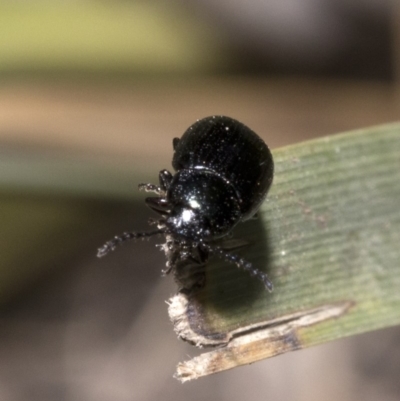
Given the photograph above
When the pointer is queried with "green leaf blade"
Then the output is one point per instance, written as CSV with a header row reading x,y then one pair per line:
x,y
330,237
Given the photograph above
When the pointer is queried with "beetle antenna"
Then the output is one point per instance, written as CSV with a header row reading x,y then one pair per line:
x,y
120,239
241,263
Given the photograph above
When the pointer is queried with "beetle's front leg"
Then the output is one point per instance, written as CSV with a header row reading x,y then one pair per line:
x,y
151,188
165,178
159,205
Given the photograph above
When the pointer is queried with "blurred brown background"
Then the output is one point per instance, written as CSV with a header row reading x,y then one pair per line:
x,y
91,95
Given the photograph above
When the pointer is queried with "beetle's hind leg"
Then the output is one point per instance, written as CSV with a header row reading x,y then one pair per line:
x,y
241,263
232,244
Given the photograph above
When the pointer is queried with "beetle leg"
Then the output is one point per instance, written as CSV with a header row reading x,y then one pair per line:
x,y
199,257
165,178
159,205
194,254
151,188
155,222
231,244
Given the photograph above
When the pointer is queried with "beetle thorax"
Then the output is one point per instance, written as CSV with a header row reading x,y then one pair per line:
x,y
204,205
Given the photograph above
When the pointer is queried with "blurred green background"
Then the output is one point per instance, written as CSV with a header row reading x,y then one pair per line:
x,y
91,95
113,36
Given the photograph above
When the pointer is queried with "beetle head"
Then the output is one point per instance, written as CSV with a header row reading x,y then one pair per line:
x,y
204,206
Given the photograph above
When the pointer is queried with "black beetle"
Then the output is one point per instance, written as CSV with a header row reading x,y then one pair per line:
x,y
223,173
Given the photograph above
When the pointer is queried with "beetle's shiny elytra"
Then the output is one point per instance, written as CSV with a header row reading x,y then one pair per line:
x,y
223,173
